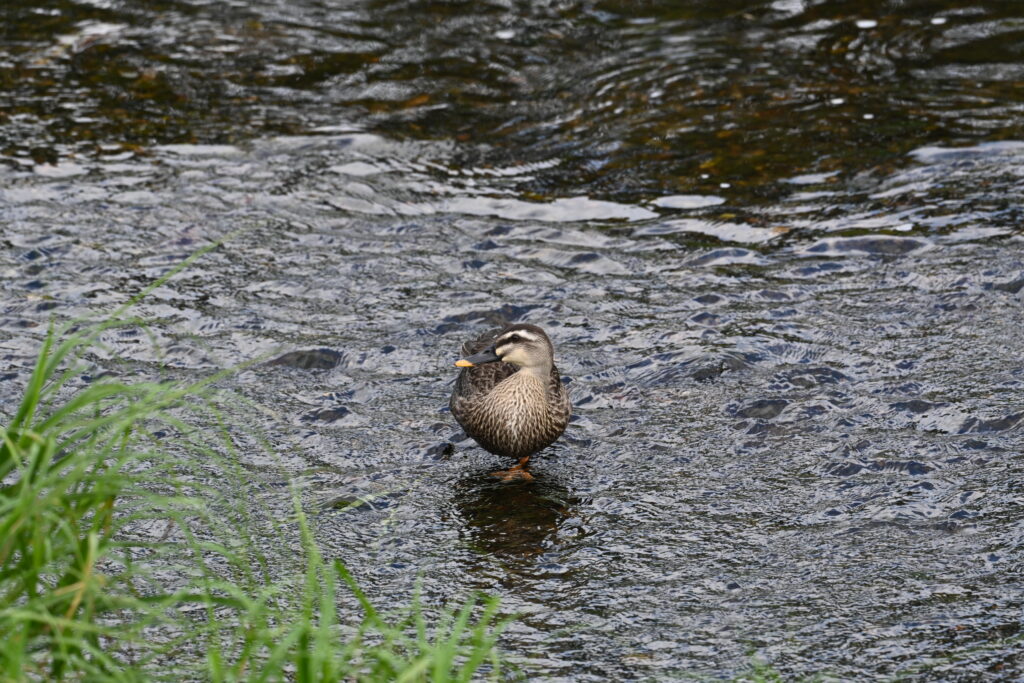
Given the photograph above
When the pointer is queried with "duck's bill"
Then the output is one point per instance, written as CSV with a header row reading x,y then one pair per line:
x,y
488,356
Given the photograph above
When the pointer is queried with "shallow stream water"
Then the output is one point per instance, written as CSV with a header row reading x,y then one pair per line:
x,y
777,246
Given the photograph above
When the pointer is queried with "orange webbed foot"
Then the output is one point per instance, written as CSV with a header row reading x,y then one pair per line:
x,y
516,473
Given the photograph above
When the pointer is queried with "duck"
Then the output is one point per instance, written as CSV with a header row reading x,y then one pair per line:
x,y
509,397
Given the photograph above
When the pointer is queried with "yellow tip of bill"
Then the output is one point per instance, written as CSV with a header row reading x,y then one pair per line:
x,y
463,364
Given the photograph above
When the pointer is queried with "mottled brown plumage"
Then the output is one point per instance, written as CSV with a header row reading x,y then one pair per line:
x,y
511,401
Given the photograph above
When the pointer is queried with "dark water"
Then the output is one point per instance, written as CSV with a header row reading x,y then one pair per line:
x,y
777,245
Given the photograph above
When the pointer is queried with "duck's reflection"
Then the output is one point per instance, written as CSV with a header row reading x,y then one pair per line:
x,y
516,520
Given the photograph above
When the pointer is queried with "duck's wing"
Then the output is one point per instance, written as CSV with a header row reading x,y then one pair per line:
x,y
482,342
558,397
479,379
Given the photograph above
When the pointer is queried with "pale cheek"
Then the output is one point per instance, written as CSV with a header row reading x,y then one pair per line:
x,y
516,358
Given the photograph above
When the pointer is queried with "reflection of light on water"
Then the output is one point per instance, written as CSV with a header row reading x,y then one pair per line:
x,y
559,211
422,194
185,150
788,6
65,169
566,210
687,201
729,232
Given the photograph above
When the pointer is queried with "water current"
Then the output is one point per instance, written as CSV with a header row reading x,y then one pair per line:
x,y
777,246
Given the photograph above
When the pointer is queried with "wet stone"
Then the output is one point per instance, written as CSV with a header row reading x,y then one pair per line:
x,y
437,451
764,409
357,502
910,467
498,317
313,359
1013,286
975,425
772,295
844,469
808,378
326,415
917,406
874,245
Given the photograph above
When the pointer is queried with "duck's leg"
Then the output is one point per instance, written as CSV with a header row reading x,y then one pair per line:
x,y
516,472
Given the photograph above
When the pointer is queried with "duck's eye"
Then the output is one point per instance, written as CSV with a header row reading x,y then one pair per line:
x,y
515,339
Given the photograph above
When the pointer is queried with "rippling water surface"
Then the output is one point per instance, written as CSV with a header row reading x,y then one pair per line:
x,y
777,246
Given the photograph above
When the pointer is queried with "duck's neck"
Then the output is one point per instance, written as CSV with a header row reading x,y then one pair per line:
x,y
522,385
541,372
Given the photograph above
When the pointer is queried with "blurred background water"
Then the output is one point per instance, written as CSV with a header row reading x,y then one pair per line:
x,y
777,245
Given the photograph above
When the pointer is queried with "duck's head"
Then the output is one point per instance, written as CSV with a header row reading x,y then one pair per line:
x,y
524,345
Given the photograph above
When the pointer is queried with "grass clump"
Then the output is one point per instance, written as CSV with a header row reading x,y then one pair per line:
x,y
119,560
